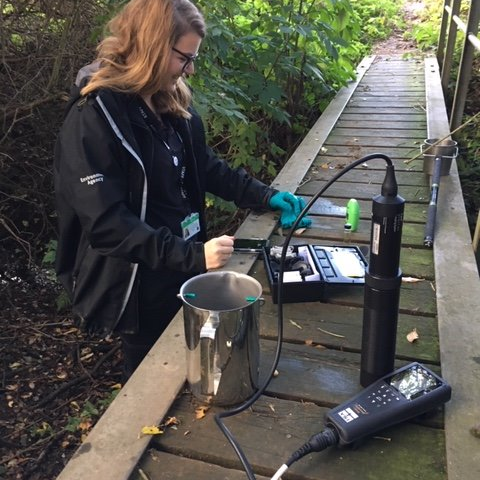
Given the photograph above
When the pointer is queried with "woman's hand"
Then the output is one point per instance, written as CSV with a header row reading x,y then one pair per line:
x,y
218,251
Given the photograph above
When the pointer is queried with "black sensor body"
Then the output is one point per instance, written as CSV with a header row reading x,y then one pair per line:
x,y
382,283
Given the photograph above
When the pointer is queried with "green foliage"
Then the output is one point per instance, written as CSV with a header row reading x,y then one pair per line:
x,y
49,256
87,416
377,19
267,70
426,31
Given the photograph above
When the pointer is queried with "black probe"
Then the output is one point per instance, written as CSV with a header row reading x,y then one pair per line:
x,y
383,280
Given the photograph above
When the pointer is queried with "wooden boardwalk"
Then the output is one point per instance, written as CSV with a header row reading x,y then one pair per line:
x,y
390,109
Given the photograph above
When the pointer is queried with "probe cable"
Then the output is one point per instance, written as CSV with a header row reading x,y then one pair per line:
x,y
320,440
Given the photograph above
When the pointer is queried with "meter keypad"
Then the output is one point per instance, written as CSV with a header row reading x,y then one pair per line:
x,y
383,396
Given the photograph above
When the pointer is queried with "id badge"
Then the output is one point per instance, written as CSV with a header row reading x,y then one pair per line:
x,y
190,226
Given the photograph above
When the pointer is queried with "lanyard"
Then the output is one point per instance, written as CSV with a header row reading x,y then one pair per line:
x,y
173,155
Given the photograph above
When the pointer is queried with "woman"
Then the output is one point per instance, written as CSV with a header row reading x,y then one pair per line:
x,y
131,172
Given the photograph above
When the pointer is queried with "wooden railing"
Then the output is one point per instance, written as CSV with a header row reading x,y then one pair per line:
x,y
451,24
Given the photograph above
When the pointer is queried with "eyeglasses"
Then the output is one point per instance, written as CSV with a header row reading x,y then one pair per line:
x,y
189,59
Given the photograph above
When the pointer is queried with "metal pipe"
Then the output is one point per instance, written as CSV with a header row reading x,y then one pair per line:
x,y
432,206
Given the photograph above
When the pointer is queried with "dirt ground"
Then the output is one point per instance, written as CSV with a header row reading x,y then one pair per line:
x,y
56,382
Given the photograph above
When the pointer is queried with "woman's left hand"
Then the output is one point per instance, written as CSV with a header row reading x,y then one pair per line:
x,y
218,251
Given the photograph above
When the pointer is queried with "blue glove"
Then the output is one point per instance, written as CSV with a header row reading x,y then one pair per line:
x,y
290,206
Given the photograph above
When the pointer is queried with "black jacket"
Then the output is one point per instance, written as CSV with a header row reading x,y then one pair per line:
x,y
103,157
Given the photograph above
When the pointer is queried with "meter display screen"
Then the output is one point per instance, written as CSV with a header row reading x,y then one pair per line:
x,y
414,382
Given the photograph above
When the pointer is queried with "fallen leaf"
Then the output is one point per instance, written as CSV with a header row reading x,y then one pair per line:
x,y
200,412
62,375
170,421
412,279
412,336
295,324
152,430
309,342
324,166
68,332
85,425
299,231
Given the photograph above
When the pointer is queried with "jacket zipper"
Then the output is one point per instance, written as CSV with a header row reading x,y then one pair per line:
x,y
143,209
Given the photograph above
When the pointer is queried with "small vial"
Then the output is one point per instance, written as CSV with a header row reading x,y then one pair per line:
x,y
353,215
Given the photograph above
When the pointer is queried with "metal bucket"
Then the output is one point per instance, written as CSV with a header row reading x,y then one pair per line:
x,y
447,149
221,312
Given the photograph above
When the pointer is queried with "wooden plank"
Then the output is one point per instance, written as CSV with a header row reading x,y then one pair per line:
x,y
370,173
401,165
411,193
367,131
458,287
357,123
374,141
332,229
158,465
387,102
357,151
273,429
359,114
340,327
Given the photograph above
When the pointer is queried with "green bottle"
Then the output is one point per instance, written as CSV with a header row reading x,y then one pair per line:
x,y
353,215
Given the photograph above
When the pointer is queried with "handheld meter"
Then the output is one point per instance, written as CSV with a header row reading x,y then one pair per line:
x,y
394,398
399,396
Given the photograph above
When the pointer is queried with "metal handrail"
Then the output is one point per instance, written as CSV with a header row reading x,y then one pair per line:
x,y
451,23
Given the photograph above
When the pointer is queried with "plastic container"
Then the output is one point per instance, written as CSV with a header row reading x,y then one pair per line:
x,y
353,215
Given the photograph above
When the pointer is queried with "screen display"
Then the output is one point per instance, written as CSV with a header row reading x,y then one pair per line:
x,y
414,382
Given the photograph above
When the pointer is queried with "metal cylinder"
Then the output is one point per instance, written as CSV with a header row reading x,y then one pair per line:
x,y
221,315
447,149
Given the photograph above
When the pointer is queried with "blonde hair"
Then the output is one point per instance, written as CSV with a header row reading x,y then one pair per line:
x,y
134,57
